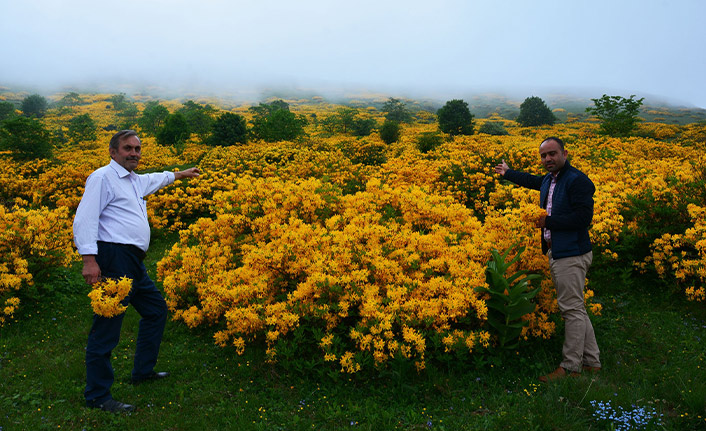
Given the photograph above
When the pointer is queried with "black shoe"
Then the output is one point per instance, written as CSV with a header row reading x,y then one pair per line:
x,y
113,406
153,376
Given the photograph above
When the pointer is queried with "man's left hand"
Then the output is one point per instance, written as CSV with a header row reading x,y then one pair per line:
x,y
187,173
541,222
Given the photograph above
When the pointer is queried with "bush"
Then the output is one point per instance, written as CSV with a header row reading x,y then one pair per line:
x,y
534,112
229,129
429,141
26,138
82,128
493,128
34,106
390,131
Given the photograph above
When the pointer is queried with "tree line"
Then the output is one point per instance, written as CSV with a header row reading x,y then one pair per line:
x,y
26,137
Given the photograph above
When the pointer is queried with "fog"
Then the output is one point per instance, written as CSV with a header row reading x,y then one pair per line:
x,y
436,49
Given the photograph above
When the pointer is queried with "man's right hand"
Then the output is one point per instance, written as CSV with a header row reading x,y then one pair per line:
x,y
91,271
502,168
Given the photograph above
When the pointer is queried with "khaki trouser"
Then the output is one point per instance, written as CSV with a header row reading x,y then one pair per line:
x,y
569,277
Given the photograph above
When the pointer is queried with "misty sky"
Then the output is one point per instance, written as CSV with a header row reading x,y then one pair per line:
x,y
434,48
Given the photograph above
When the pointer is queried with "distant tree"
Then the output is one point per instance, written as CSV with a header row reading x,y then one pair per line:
x,y
229,129
493,128
534,112
119,101
199,117
153,117
455,118
82,128
70,99
26,138
429,141
618,115
345,117
363,126
34,106
396,110
7,111
274,122
390,131
174,133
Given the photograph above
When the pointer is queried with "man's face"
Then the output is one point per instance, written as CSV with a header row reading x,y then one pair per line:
x,y
553,157
128,153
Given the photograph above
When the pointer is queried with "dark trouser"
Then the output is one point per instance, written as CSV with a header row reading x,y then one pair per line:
x,y
115,261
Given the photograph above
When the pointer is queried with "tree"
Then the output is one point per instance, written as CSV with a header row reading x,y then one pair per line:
x,y
455,118
618,115
34,106
229,129
26,138
7,111
153,117
126,110
82,128
274,122
70,99
396,110
174,133
534,112
390,131
199,117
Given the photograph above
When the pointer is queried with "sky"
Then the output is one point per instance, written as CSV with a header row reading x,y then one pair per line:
x,y
434,48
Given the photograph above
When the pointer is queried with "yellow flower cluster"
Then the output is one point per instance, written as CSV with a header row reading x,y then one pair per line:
x,y
683,256
108,294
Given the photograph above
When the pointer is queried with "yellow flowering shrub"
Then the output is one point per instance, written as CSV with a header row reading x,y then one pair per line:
x,y
682,257
32,242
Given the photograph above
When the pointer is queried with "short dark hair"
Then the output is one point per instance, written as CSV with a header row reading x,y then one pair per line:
x,y
120,136
555,139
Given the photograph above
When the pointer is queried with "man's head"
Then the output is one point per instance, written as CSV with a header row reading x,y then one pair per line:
x,y
553,154
125,149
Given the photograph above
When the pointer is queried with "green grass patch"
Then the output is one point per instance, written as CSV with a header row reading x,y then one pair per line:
x,y
653,354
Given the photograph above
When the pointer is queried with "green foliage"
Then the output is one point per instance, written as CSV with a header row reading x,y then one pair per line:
x,y
396,110
274,122
390,131
455,118
493,128
70,99
534,112
349,121
618,115
153,117
174,133
126,110
510,298
7,111
229,129
26,138
429,141
200,118
34,106
82,128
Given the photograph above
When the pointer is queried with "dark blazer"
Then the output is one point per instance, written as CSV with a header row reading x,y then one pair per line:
x,y
572,208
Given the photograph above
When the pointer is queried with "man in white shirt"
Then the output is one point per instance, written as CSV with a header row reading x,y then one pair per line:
x,y
112,235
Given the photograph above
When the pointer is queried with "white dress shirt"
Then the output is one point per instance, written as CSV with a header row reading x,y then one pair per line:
x,y
113,208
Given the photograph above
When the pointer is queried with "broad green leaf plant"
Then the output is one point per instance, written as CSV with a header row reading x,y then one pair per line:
x,y
510,297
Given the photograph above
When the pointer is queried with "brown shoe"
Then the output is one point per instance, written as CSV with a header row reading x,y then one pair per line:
x,y
557,374
589,369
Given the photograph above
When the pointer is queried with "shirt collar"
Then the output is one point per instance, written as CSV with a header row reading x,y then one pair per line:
x,y
122,172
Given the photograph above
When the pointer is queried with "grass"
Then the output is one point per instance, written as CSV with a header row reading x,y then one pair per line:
x,y
652,345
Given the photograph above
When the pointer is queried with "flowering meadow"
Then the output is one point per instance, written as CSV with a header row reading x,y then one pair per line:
x,y
355,252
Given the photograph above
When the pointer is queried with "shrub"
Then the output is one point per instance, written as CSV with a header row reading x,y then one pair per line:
x,y
429,141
